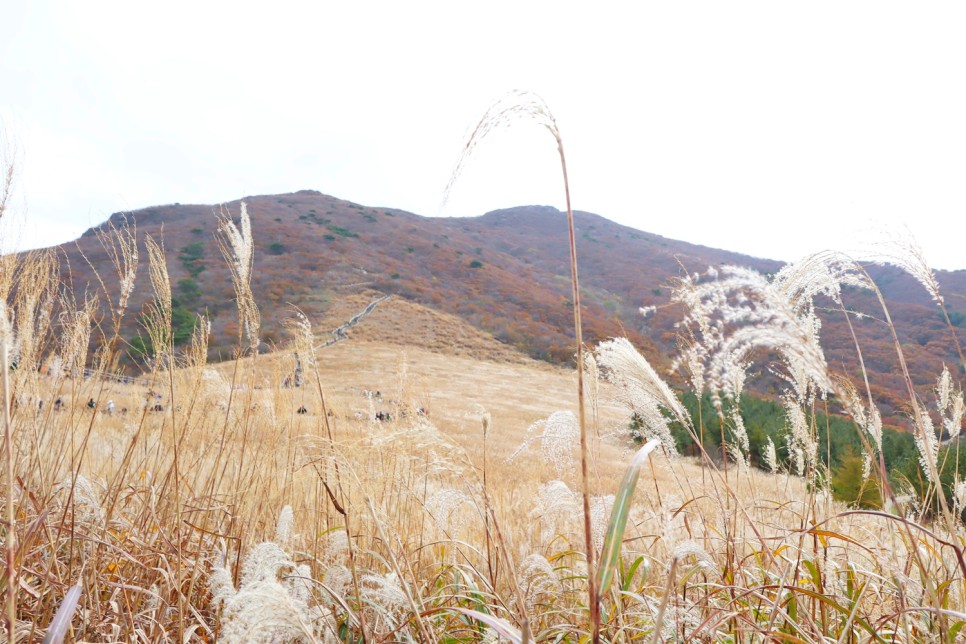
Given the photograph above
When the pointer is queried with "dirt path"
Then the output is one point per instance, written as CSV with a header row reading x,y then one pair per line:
x,y
342,332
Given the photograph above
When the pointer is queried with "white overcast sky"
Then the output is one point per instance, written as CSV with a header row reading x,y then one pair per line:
x,y
770,128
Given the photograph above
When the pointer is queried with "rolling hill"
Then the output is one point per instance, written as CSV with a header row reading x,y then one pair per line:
x,y
505,273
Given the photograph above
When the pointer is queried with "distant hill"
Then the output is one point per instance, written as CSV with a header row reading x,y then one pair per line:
x,y
505,273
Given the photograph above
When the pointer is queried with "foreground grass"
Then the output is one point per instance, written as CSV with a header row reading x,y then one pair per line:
x,y
459,525
212,502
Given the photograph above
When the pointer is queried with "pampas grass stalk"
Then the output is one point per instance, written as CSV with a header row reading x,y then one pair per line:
x,y
920,422
528,105
161,334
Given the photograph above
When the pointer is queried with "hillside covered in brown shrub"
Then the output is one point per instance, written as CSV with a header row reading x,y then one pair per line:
x,y
505,272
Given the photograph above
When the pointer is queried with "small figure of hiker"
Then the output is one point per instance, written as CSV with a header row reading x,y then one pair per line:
x,y
110,407
91,404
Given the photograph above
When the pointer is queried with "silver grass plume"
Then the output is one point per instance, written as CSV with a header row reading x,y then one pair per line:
x,y
385,591
303,339
557,505
514,106
740,447
240,243
869,420
444,506
823,273
641,390
770,456
283,529
76,334
926,442
157,320
37,284
238,247
558,435
949,400
690,549
120,245
959,495
944,389
85,501
271,603
10,162
197,353
802,446
538,581
903,251
592,374
735,311
600,509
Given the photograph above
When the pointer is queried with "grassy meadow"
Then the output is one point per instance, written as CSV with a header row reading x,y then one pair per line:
x,y
203,506
423,483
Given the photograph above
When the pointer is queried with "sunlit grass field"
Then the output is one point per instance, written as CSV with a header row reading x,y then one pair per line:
x,y
439,488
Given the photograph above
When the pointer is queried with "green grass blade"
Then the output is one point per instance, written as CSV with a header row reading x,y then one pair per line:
x,y
611,553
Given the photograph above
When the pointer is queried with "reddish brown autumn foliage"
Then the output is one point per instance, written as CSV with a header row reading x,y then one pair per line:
x,y
505,272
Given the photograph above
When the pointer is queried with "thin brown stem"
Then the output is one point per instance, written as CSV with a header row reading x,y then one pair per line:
x,y
11,532
581,413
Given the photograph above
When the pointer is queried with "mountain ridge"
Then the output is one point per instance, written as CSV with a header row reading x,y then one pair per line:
x,y
505,272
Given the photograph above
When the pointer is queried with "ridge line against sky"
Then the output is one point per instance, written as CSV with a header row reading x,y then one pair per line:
x,y
763,128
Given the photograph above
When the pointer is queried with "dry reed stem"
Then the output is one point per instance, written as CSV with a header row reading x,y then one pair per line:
x,y
10,545
523,104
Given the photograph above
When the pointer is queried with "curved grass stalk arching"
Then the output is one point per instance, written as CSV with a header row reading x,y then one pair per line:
x,y
529,106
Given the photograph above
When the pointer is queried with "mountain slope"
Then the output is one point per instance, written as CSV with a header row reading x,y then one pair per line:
x,y
506,273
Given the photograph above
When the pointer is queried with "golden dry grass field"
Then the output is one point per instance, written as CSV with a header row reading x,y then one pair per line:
x,y
423,482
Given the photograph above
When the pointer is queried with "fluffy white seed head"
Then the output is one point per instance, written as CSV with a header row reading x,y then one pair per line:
x,y
641,390
385,591
445,507
868,420
557,508
902,250
689,549
949,400
735,312
926,442
283,529
558,435
538,581
770,456
741,443
959,494
85,500
600,507
802,446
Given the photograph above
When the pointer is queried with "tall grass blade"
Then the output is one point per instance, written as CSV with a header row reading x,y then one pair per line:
x,y
611,553
61,621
